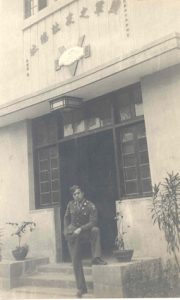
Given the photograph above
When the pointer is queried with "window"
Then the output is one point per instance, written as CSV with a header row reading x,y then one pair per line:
x,y
121,114
135,162
128,105
47,163
131,139
42,4
46,159
31,7
93,115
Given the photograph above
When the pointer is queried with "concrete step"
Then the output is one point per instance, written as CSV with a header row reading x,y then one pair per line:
x,y
34,292
59,280
65,268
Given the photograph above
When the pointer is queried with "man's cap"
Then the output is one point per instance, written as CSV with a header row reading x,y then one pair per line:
x,y
74,188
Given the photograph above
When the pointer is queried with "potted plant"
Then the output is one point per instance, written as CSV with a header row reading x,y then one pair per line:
x,y
166,212
21,251
122,254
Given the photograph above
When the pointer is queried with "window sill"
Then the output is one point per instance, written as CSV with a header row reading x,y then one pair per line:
x,y
44,13
43,210
134,200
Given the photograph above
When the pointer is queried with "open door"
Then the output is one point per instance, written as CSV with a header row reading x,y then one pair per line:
x,y
89,162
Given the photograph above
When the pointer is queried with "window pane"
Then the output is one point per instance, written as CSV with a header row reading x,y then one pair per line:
x,y
48,175
44,198
55,197
98,114
145,172
137,95
55,173
130,173
44,187
53,152
141,133
27,8
128,148
45,130
125,113
54,163
43,154
134,165
44,176
144,157
44,164
42,4
55,185
129,160
139,109
146,186
93,123
78,122
142,144
128,136
131,187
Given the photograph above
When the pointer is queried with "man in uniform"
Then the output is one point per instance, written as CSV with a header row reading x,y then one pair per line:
x,y
80,223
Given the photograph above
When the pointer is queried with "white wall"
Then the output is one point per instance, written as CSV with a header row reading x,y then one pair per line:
x,y
142,236
146,20
161,98
16,197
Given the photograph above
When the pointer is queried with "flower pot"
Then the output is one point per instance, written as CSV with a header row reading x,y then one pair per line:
x,y
20,253
123,255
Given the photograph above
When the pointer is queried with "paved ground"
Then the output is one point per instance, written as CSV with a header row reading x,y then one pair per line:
x,y
41,293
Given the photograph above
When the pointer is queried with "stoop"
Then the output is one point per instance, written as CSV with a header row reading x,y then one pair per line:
x,y
136,279
12,272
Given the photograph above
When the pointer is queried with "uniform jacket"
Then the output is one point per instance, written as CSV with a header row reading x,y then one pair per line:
x,y
83,215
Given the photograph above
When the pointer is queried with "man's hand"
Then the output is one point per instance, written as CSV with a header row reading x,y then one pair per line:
x,y
77,231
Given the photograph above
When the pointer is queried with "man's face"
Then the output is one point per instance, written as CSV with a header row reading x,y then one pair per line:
x,y
78,195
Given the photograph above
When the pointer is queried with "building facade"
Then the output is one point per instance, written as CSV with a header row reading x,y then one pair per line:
x,y
89,96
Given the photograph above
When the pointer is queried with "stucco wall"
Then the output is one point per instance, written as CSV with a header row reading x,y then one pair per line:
x,y
16,197
135,24
142,236
160,93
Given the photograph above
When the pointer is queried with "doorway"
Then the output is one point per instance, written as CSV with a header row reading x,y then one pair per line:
x,y
89,162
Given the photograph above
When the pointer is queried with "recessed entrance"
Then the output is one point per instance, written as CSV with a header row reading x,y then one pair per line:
x,y
89,162
102,147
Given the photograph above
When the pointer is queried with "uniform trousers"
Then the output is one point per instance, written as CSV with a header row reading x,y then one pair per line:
x,y
74,246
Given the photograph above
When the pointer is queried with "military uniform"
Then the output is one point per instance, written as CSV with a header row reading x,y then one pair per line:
x,y
81,215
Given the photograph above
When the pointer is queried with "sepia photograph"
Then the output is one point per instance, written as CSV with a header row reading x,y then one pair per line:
x,y
89,149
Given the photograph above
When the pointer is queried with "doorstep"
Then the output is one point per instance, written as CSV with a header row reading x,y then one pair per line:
x,y
11,272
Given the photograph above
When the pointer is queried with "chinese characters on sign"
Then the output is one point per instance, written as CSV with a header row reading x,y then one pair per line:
x,y
126,18
44,38
99,7
69,19
27,67
84,13
115,7
33,50
55,28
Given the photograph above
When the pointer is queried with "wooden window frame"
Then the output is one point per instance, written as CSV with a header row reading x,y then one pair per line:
x,y
34,7
114,127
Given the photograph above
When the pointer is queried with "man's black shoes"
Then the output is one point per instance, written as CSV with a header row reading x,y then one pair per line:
x,y
98,261
80,293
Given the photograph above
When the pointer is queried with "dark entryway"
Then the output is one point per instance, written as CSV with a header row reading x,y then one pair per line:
x,y
89,162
